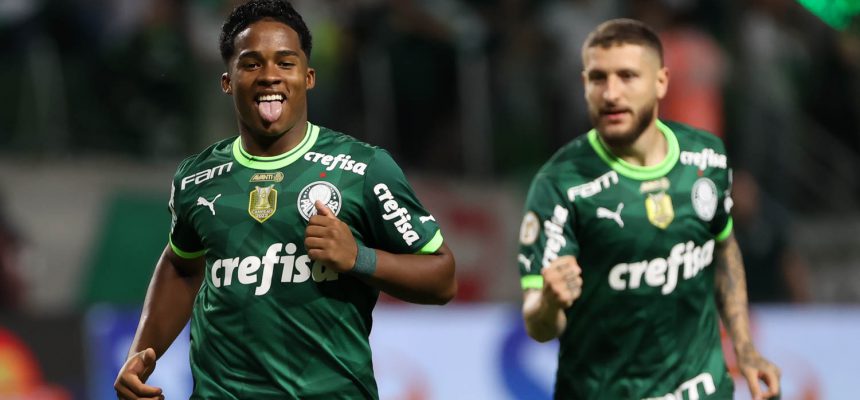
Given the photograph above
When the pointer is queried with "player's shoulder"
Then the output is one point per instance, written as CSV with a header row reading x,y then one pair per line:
x,y
333,143
575,161
215,155
694,139
698,147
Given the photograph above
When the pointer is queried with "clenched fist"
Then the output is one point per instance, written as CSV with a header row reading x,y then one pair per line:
x,y
329,240
562,282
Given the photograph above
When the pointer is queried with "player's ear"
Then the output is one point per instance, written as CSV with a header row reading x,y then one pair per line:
x,y
226,84
310,78
662,82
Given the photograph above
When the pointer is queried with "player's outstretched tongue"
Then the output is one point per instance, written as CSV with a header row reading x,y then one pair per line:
x,y
271,110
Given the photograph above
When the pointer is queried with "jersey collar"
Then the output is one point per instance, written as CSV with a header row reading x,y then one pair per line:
x,y
279,161
638,172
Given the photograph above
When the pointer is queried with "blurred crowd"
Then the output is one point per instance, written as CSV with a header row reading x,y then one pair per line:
x,y
484,89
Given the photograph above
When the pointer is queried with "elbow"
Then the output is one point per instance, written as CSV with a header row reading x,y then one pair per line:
x,y
538,336
449,287
447,294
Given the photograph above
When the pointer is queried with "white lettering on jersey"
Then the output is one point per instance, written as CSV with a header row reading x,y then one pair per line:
x,y
247,270
206,174
663,271
594,187
399,215
691,387
704,159
341,161
554,231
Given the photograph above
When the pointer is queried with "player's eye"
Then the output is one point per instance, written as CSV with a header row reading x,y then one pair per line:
x,y
596,78
626,75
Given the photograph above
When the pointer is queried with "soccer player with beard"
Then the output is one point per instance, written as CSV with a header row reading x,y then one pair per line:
x,y
627,253
282,238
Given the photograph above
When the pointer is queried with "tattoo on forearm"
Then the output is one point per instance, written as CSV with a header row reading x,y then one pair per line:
x,y
731,294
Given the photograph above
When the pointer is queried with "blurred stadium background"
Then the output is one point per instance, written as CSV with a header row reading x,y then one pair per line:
x,y
102,98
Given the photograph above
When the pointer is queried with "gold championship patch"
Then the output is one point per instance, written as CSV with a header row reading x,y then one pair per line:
x,y
263,202
660,210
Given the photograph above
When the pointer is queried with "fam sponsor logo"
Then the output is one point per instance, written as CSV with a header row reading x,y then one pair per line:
x,y
341,161
260,271
394,212
663,271
205,175
691,388
554,230
704,159
594,187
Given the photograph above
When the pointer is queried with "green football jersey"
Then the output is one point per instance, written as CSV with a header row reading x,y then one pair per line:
x,y
269,323
646,325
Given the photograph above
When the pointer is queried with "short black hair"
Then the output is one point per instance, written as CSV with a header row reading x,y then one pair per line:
x,y
624,31
255,10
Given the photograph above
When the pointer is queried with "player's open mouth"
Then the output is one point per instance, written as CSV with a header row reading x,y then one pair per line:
x,y
614,115
270,106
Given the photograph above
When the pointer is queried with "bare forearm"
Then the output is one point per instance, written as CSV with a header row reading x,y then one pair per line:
x,y
168,303
731,294
543,321
422,279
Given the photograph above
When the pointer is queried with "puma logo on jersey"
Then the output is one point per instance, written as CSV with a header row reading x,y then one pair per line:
x,y
201,201
663,271
206,175
527,262
594,187
691,387
613,215
247,271
426,219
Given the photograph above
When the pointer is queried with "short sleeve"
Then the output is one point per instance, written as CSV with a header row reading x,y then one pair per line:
x,y
546,231
721,224
183,238
399,223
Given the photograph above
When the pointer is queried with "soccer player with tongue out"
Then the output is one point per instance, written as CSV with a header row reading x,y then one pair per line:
x,y
281,239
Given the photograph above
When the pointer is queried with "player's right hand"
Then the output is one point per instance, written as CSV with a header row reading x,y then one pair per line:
x,y
130,384
562,282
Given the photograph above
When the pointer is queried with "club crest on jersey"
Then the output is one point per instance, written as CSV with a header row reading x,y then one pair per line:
x,y
660,210
705,199
322,191
263,202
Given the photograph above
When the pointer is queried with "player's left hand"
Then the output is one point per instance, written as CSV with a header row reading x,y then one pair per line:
x,y
754,367
329,240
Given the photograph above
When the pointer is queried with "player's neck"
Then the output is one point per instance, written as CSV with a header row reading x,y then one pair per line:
x,y
649,149
270,146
